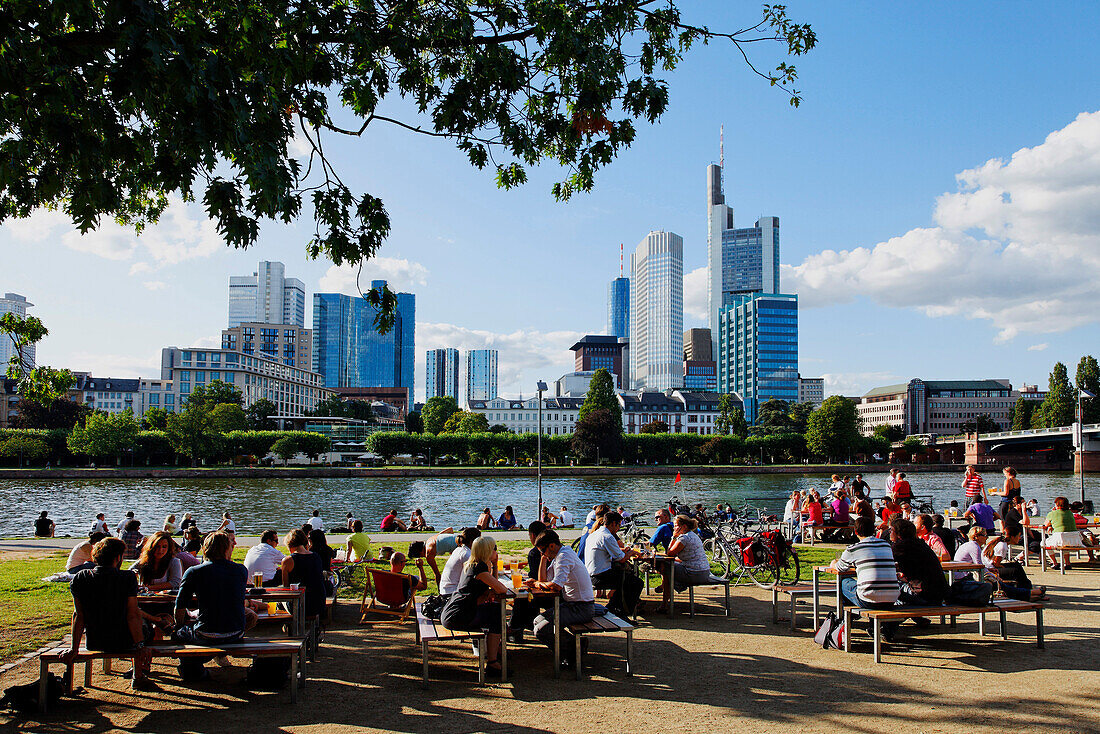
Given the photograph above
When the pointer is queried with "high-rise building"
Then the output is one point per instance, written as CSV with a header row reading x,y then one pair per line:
x,y
618,308
758,349
481,374
267,297
811,390
607,352
700,375
18,305
442,379
698,346
286,343
657,312
739,261
349,350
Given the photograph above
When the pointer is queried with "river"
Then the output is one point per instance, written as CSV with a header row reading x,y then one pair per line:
x,y
257,504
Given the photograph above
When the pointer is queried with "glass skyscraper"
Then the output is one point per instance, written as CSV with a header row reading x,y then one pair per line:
x,y
657,312
618,308
758,349
267,297
348,349
442,377
481,374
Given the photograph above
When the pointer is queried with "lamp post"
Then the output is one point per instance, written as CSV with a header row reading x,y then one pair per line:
x,y
1081,395
541,386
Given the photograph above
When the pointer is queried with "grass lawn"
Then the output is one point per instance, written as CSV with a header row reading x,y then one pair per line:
x,y
34,612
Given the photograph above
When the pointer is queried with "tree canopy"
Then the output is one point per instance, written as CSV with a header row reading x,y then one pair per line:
x,y
731,417
833,429
436,412
1088,378
601,396
108,108
1060,405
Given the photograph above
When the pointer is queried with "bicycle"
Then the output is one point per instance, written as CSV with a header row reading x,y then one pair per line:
x,y
767,559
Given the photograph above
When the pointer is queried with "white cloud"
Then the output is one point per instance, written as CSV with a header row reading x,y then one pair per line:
x,y
115,365
695,293
1038,347
857,383
401,274
525,355
1017,245
139,268
155,285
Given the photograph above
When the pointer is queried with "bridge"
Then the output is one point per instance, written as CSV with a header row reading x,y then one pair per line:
x,y
1018,446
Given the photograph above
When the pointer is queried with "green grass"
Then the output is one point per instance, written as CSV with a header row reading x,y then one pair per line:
x,y
34,612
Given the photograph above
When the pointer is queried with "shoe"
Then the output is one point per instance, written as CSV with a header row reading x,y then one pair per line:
x,y
143,684
922,621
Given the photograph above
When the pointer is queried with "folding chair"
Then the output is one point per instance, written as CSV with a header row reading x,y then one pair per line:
x,y
390,593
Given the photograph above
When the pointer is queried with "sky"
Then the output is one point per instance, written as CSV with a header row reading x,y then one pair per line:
x,y
938,193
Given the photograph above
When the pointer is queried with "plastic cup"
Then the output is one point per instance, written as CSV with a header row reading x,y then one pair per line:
x,y
517,580
294,587
272,608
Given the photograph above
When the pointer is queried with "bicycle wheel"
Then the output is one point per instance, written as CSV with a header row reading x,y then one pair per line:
x,y
788,571
719,559
763,574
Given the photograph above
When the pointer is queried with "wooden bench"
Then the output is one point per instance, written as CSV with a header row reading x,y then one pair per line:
x,y
599,625
1000,607
712,581
288,648
1061,550
429,630
796,592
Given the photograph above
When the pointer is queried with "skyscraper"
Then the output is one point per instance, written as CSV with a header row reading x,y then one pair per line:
x,y
758,349
481,374
442,378
618,307
657,312
348,349
697,345
739,261
18,305
267,297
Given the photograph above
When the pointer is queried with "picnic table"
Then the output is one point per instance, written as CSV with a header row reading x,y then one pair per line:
x,y
1043,544
293,598
948,567
513,594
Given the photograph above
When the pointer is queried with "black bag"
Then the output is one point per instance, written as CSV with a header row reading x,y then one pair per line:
x,y
432,607
969,593
268,673
25,697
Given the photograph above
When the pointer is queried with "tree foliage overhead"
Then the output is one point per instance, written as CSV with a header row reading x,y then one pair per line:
x,y
1088,379
109,107
40,385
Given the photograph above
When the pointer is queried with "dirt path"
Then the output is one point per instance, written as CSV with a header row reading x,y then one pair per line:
x,y
704,674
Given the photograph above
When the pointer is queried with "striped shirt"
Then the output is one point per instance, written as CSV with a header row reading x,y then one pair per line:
x,y
973,485
876,574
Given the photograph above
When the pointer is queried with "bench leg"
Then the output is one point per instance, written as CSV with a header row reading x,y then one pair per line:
x,y
424,653
629,651
557,636
43,674
1039,629
481,660
691,601
815,592
878,640
88,674
1004,625
579,658
727,599
294,685
794,614
775,603
1062,558
301,670
847,629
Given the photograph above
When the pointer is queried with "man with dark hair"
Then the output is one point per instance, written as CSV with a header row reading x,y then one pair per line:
x,y
922,580
105,607
875,585
606,563
523,611
561,572
264,558
950,537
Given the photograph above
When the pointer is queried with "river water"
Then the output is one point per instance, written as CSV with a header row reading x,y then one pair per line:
x,y
258,504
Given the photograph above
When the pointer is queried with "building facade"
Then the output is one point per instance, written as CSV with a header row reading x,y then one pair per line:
x,y
267,297
293,391
481,374
107,394
286,343
593,352
811,390
739,261
396,397
15,304
700,375
657,312
618,308
937,406
157,394
442,374
758,349
349,351
698,345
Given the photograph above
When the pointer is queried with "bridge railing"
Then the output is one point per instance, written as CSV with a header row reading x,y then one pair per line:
x,y
1054,431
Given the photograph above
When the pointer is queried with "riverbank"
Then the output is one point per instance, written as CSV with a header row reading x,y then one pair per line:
x,y
337,472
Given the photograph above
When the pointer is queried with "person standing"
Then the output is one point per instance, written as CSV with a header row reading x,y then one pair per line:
x,y
858,485
891,480
99,525
1009,491
902,489
974,485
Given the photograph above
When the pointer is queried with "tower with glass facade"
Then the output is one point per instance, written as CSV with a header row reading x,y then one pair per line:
x,y
442,374
481,374
657,312
14,303
758,349
267,297
350,352
618,308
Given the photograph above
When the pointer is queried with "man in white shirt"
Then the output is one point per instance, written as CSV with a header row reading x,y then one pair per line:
x,y
99,525
561,572
316,521
455,567
264,558
565,518
891,480
605,561
123,523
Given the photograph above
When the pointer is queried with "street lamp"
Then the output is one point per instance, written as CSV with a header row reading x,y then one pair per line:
x,y
1081,395
541,386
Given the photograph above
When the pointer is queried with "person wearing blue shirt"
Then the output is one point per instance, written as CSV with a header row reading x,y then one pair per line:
x,y
507,519
662,536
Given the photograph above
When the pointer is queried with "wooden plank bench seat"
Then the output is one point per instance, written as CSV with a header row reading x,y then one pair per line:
x,y
796,592
429,630
1061,551
600,625
1000,607
713,581
288,648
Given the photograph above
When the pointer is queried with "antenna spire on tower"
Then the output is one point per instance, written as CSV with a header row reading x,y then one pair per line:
x,y
722,147
620,259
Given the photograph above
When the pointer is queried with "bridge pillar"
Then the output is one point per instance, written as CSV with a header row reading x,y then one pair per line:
x,y
1089,455
975,450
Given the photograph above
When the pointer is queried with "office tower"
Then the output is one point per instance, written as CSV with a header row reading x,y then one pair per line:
x,y
758,349
697,345
739,261
18,305
481,374
267,297
442,379
286,343
618,308
657,312
601,352
348,349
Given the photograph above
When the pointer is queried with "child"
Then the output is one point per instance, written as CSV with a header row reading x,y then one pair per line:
x,y
953,510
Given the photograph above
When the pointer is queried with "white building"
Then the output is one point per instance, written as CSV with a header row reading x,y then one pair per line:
x,y
811,390
157,394
108,394
657,312
18,305
267,297
559,415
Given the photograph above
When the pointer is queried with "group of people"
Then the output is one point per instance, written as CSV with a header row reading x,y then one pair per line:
x,y
507,519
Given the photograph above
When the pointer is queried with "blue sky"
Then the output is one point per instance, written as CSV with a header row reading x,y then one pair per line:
x,y
904,270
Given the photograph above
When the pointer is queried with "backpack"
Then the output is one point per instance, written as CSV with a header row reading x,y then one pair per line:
x,y
432,607
970,593
25,697
831,633
268,673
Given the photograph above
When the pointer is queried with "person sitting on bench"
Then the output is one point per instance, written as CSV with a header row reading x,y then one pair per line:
x,y
562,572
925,531
919,572
693,566
475,606
265,558
524,611
875,585
606,560
1007,575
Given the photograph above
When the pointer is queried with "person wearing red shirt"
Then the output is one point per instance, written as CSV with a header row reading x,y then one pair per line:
x,y
974,486
902,490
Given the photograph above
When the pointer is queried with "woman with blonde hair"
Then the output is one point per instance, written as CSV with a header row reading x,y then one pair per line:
x,y
170,524
686,551
157,567
474,606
